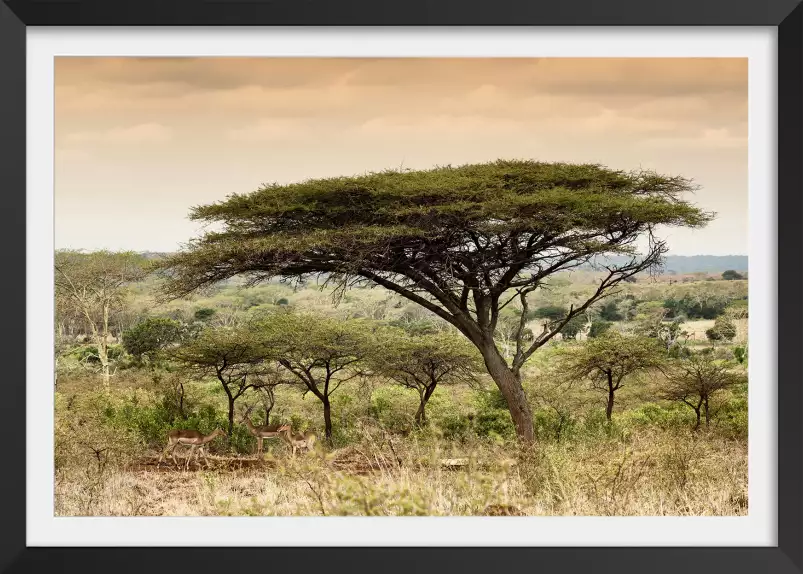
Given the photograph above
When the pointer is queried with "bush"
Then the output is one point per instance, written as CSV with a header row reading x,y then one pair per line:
x,y
722,330
455,426
394,407
150,336
551,425
610,312
204,314
493,418
654,414
731,275
598,328
551,312
89,353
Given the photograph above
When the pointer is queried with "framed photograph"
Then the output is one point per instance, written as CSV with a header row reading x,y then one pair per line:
x,y
436,285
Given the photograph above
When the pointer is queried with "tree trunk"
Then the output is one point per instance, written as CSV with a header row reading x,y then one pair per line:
x,y
267,415
421,415
181,401
511,389
103,347
707,417
327,418
609,408
231,417
697,412
611,391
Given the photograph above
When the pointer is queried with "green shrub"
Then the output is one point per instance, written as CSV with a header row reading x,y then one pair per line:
x,y
668,417
493,418
89,353
551,425
394,407
599,328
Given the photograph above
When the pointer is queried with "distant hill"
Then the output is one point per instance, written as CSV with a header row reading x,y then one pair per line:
x,y
682,264
705,263
677,263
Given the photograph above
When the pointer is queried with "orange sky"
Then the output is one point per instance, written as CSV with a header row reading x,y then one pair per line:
x,y
140,140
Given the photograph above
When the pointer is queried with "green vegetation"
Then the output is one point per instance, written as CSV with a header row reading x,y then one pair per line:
x,y
462,242
398,316
108,438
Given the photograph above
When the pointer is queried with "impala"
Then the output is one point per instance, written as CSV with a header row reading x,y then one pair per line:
x,y
193,438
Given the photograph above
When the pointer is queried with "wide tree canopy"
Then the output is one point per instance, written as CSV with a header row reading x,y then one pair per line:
x,y
462,242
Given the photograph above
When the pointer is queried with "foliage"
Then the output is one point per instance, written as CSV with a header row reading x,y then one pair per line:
x,y
152,335
696,378
610,312
573,327
551,312
731,275
607,361
454,240
599,328
320,352
723,329
204,314
234,356
423,362
93,286
491,419
696,306
653,324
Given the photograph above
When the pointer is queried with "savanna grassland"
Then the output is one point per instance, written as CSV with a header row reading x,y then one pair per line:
x,y
664,451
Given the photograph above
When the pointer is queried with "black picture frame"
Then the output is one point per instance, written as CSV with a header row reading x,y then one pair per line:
x,y
786,15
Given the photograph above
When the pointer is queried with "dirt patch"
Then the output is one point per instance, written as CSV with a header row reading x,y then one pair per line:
x,y
231,464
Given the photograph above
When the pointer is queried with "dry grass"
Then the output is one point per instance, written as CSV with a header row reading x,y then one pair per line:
x,y
654,473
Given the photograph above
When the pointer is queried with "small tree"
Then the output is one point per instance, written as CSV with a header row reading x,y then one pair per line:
x,y
150,337
554,313
610,312
731,275
655,326
95,284
573,327
606,362
321,352
234,356
695,379
599,328
723,330
422,363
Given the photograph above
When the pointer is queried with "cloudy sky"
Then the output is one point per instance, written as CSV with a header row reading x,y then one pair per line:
x,y
140,140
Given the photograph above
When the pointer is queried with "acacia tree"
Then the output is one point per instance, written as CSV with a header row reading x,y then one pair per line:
x,y
423,362
234,356
695,379
321,352
94,284
607,361
150,337
462,242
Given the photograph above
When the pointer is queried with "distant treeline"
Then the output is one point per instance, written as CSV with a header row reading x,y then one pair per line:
x,y
673,263
694,263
